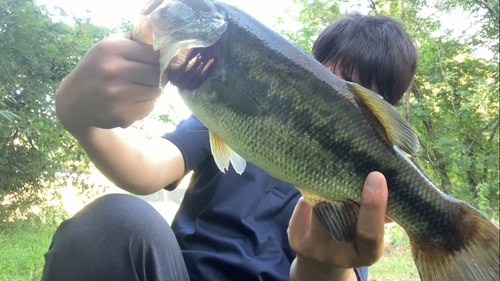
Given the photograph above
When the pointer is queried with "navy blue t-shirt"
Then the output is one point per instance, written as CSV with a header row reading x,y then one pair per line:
x,y
231,226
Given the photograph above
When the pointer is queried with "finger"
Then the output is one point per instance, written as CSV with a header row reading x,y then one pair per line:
x,y
142,73
142,109
128,93
370,227
318,231
142,93
136,51
134,112
299,223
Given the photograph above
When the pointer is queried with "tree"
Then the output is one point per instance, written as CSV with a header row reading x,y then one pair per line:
x,y
453,102
35,151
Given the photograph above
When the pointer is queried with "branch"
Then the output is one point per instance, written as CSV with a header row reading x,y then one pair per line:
x,y
373,6
448,127
440,165
485,170
490,9
406,100
493,133
471,146
443,73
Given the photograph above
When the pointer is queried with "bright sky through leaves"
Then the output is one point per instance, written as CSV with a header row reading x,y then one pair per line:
x,y
109,12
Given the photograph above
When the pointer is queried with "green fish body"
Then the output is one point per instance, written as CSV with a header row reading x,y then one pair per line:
x,y
266,101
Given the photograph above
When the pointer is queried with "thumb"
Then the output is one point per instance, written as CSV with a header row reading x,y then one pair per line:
x,y
370,228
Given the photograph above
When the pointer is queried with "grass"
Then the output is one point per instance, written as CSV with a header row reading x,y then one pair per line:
x,y
23,244
396,264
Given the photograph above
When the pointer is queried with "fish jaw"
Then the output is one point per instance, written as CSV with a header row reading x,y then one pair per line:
x,y
181,30
141,30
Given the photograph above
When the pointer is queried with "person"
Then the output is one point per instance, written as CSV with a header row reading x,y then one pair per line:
x,y
228,226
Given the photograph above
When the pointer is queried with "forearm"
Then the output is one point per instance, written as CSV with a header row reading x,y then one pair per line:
x,y
306,269
140,171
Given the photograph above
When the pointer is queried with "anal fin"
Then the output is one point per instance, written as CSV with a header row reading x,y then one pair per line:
x,y
338,217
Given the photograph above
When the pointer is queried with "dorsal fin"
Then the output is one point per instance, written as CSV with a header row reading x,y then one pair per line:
x,y
223,154
398,130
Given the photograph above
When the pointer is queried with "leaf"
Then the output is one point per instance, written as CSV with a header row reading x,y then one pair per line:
x,y
455,92
61,11
9,116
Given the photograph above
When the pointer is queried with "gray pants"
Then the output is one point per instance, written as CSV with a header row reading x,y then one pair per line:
x,y
116,237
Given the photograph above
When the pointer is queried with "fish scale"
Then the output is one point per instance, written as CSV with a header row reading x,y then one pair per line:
x,y
266,100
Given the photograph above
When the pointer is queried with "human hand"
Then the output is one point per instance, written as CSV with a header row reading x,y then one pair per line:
x,y
318,251
114,85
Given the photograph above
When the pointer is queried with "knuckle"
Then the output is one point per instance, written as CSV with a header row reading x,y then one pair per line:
x,y
316,254
369,255
109,70
105,46
367,235
321,258
149,107
125,122
157,93
118,114
125,125
143,114
295,245
115,96
370,258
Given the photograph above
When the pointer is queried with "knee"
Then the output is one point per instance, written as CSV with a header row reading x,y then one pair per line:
x,y
115,216
120,212
111,234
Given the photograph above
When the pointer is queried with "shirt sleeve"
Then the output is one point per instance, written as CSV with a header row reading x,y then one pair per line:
x,y
191,137
362,273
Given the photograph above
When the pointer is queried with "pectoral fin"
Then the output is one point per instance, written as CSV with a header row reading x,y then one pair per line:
x,y
223,154
338,217
235,98
398,130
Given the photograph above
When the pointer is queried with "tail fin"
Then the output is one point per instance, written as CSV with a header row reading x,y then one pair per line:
x,y
477,260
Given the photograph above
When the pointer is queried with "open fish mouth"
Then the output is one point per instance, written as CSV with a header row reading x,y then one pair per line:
x,y
186,62
191,67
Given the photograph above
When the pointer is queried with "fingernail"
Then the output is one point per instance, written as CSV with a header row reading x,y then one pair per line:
x,y
372,184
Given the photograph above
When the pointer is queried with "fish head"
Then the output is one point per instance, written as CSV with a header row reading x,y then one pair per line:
x,y
185,32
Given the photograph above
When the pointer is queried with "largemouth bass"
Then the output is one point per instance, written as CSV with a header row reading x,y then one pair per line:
x,y
267,101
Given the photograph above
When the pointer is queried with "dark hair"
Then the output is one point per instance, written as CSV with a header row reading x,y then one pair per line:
x,y
376,48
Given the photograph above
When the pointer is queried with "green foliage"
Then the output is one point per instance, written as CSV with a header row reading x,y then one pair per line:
x,y
313,17
396,264
35,151
24,242
455,103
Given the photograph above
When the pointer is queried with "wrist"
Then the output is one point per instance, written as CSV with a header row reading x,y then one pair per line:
x,y
82,133
307,269
71,124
